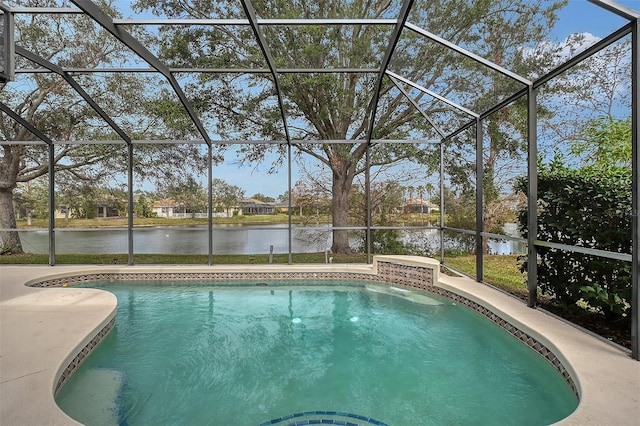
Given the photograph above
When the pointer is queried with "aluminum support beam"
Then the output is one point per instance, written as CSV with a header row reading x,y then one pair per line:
x,y
289,209
532,199
16,117
468,54
393,42
459,230
52,205
229,142
433,94
245,22
130,156
46,10
280,70
26,143
58,142
461,129
592,50
132,43
497,107
210,205
417,107
253,20
373,141
617,8
367,192
74,84
8,71
208,70
442,202
479,201
625,257
635,200
51,153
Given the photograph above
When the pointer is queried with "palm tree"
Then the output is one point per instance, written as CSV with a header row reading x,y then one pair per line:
x,y
420,190
430,188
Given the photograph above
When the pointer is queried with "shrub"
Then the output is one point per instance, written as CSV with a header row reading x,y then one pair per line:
x,y
590,208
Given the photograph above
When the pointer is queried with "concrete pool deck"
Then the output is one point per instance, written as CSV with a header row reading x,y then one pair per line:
x,y
42,329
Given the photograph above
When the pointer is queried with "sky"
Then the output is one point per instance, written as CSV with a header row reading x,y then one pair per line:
x,y
579,16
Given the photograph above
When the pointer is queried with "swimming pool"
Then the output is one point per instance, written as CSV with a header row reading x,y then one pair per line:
x,y
200,354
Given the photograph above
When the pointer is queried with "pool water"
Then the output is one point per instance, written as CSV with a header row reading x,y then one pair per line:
x,y
221,355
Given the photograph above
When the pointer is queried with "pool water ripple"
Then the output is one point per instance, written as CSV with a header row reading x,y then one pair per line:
x,y
197,355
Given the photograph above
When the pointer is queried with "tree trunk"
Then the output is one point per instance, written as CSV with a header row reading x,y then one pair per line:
x,y
10,239
9,167
342,181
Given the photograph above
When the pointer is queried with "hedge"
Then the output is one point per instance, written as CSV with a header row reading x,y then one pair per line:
x,y
588,208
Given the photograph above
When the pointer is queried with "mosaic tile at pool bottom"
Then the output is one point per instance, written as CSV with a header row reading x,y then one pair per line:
x,y
325,418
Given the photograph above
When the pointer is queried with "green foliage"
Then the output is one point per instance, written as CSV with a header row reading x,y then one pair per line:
x,y
384,198
606,143
460,213
588,208
32,199
596,295
263,198
187,192
385,241
226,195
142,207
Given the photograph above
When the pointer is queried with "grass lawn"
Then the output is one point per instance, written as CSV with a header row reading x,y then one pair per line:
x,y
177,259
500,271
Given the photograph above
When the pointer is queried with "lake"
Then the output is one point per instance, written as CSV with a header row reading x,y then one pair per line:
x,y
227,239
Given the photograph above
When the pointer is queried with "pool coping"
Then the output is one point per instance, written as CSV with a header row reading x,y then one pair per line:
x,y
43,330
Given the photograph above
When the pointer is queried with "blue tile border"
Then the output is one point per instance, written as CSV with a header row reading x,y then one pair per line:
x,y
324,418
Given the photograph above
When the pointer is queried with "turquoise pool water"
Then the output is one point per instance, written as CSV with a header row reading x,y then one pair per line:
x,y
193,354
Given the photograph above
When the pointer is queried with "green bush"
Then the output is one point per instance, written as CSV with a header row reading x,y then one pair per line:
x,y
590,208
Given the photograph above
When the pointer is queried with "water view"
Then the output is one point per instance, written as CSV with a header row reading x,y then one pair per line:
x,y
236,239
227,239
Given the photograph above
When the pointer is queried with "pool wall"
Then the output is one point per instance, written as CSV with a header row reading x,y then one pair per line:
x,y
403,271
72,365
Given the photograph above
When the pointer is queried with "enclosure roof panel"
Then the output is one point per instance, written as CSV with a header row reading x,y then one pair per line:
x,y
470,56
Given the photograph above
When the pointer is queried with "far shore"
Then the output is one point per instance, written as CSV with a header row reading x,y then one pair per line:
x,y
123,222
